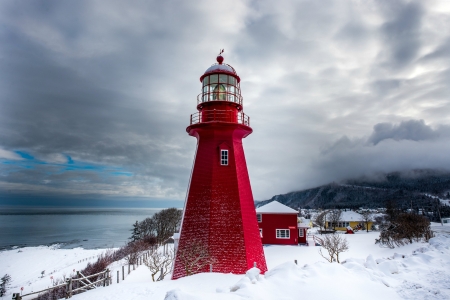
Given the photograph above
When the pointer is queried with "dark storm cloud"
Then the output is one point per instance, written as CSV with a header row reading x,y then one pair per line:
x,y
110,86
415,130
402,31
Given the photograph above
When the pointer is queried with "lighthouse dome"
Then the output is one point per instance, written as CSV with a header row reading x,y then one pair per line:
x,y
220,68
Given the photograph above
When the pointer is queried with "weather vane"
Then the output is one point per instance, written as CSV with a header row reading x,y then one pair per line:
x,y
221,51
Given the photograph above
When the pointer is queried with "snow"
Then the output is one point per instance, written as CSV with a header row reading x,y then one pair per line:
x,y
368,271
275,207
219,68
351,216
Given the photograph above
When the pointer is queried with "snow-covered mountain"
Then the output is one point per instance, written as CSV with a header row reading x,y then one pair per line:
x,y
419,189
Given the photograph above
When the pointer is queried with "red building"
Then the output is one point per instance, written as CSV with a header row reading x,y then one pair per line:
x,y
219,211
277,224
303,227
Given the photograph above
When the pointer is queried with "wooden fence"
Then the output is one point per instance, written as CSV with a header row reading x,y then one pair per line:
x,y
82,283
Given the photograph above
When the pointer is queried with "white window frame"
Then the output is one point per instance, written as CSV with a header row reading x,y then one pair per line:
x,y
287,233
259,218
260,232
224,157
301,232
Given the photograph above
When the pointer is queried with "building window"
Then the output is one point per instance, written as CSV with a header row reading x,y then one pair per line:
x,y
301,232
260,232
259,218
283,234
224,157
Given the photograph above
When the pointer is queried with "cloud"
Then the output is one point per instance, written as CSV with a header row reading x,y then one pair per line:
x,y
391,147
9,155
415,130
112,84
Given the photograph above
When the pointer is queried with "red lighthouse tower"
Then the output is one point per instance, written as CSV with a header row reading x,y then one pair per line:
x,y
219,211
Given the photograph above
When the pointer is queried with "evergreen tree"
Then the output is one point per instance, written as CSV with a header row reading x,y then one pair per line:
x,y
4,283
136,232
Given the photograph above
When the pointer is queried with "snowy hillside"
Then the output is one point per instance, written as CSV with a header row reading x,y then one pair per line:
x,y
417,271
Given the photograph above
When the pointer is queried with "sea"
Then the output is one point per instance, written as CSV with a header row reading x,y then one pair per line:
x,y
88,228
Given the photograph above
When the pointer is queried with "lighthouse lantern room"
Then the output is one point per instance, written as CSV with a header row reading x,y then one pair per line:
x,y
219,213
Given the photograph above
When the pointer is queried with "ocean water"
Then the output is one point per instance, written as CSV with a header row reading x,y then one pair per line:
x,y
89,228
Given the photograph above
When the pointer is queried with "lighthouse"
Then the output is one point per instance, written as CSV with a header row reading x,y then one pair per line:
x,y
219,214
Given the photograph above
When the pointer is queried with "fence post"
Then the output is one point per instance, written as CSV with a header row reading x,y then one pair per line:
x,y
16,296
295,261
123,272
162,274
117,276
134,267
254,264
67,288
128,268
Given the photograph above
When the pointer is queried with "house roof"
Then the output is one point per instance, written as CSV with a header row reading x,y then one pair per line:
x,y
303,223
348,216
276,207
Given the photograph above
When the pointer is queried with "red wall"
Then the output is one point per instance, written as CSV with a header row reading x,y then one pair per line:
x,y
220,211
271,222
302,240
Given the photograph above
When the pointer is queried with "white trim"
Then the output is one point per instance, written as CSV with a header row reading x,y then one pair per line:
x,y
224,158
301,232
287,233
259,218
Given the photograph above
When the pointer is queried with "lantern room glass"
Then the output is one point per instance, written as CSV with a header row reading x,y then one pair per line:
x,y
220,87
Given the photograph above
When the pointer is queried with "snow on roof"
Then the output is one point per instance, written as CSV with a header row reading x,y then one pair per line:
x,y
304,223
351,216
276,207
219,68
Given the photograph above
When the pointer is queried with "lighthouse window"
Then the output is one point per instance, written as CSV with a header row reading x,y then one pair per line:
x,y
206,80
213,78
283,233
223,78
219,92
231,80
224,157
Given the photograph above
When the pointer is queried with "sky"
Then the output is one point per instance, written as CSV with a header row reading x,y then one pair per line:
x,y
95,96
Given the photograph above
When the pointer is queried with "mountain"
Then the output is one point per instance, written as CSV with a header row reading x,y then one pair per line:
x,y
417,189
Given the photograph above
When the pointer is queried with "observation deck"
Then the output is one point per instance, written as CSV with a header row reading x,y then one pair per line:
x,y
229,116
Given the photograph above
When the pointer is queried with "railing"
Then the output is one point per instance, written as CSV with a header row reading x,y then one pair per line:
x,y
80,283
219,96
74,285
230,116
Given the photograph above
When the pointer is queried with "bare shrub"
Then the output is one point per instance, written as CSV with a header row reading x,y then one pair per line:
x,y
160,226
334,244
194,257
366,218
334,217
167,221
404,229
320,219
158,261
134,251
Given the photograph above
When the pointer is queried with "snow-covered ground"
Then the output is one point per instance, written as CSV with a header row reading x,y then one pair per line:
x,y
417,271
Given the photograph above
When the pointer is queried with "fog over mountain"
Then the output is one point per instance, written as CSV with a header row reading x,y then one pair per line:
x,y
424,191
96,95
